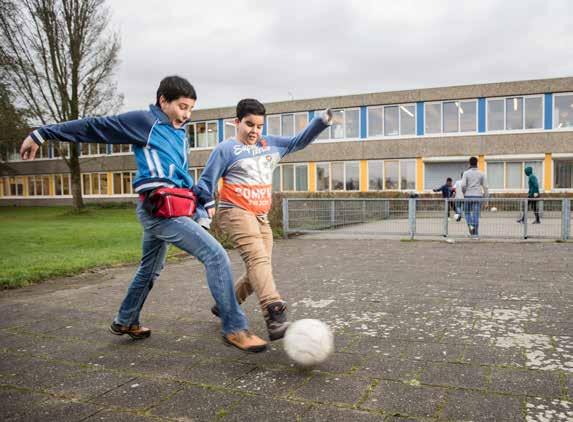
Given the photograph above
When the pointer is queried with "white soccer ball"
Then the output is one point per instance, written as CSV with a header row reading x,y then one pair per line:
x,y
493,209
308,342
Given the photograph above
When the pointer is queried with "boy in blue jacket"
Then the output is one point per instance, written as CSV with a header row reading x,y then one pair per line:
x,y
160,148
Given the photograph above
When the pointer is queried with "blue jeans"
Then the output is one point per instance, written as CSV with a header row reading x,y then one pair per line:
x,y
472,207
458,206
189,236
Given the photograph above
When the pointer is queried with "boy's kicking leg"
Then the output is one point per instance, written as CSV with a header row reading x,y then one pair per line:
x,y
252,236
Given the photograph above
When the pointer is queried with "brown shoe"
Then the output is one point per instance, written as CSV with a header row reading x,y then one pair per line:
x,y
246,341
136,332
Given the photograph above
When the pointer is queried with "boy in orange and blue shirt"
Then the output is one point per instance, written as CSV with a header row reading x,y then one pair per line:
x,y
246,164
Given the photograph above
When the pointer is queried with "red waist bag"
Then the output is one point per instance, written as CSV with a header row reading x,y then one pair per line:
x,y
172,202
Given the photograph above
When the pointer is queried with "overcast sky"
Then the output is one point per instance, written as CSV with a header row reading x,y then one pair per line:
x,y
278,50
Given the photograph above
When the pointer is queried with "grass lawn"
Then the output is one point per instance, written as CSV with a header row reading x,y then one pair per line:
x,y
37,243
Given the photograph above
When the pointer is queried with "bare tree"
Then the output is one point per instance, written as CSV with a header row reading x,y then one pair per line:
x,y
59,59
13,125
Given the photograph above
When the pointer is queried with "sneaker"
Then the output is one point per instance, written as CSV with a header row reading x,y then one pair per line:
x,y
520,221
472,230
457,217
215,311
275,317
136,332
536,222
245,341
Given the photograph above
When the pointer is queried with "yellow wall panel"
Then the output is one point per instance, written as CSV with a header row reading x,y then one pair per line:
x,y
311,177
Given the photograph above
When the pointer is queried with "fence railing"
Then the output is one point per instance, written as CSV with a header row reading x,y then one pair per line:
x,y
502,218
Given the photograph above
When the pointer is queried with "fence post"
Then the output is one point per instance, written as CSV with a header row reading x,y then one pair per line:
x,y
565,219
412,217
363,211
445,233
285,218
332,214
524,205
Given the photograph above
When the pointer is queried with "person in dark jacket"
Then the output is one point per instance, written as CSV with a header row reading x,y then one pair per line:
x,y
447,190
532,194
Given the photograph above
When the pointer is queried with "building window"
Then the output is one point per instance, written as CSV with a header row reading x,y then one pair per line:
x,y
195,173
202,134
95,149
294,177
120,148
393,120
391,175
14,186
94,184
451,117
338,176
407,119
433,118
515,113
345,124
533,112
62,184
459,116
375,116
407,174
563,174
495,115
495,175
121,184
288,124
376,175
230,130
61,149
39,185
563,111
510,175
277,179
322,177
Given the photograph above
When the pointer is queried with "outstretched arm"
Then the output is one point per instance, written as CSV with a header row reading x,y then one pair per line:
x,y
309,134
127,128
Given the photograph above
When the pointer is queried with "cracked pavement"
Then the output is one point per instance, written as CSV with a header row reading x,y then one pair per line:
x,y
424,331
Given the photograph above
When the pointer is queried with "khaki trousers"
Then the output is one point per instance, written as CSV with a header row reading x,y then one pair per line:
x,y
253,238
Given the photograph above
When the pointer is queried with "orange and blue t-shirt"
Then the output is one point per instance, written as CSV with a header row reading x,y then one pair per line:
x,y
247,170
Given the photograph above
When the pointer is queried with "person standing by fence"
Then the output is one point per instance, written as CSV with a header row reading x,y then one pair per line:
x,y
458,195
447,191
532,195
474,188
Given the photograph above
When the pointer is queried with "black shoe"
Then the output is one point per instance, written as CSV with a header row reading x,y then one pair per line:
x,y
536,222
215,311
136,332
275,318
520,221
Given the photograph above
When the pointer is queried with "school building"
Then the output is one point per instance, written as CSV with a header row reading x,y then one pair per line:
x,y
379,142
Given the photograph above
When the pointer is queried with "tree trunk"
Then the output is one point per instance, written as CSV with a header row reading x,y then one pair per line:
x,y
74,165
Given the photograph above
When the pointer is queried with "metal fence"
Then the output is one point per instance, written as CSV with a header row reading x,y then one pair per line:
x,y
497,218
